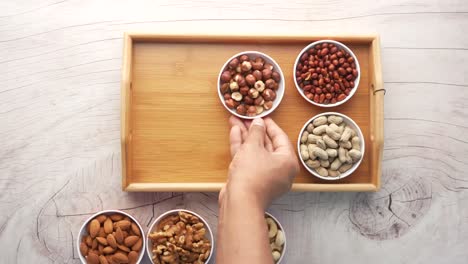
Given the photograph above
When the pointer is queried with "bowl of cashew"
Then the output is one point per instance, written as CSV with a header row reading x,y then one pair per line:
x,y
277,237
180,236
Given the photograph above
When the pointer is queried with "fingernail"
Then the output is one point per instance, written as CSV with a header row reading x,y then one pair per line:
x,y
258,122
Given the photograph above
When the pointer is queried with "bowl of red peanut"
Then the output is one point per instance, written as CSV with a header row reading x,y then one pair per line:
x,y
250,85
326,73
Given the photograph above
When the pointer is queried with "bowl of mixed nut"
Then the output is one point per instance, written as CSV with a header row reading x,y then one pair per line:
x,y
250,85
331,146
180,236
326,73
111,236
277,237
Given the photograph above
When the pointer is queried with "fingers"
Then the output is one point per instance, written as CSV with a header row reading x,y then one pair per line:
x,y
268,143
235,138
235,121
257,132
278,137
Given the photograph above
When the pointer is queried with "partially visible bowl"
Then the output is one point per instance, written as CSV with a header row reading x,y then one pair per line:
x,y
356,81
279,91
280,227
157,221
84,232
348,122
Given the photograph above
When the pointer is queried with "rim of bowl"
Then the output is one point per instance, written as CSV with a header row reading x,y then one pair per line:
x,y
356,82
279,92
284,233
83,231
148,250
346,119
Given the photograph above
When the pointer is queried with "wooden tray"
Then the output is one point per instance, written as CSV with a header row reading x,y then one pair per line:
x,y
175,133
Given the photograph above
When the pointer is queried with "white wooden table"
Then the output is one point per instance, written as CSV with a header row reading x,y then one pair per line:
x,y
60,64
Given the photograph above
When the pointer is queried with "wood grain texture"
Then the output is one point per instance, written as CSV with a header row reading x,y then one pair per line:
x,y
174,129
60,159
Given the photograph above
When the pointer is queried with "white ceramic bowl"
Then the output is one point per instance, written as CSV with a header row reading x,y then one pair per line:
x,y
280,227
356,82
350,123
279,92
84,232
155,223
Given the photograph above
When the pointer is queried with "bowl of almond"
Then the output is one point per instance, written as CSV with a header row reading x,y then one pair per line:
x,y
111,236
180,236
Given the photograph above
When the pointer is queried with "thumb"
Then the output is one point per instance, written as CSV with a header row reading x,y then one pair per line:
x,y
257,132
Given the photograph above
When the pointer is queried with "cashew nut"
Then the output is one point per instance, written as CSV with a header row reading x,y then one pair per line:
x,y
272,227
305,154
279,241
325,163
276,255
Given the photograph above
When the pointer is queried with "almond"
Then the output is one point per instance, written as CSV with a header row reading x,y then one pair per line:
x,y
130,241
103,260
132,257
123,224
116,217
108,250
119,235
101,218
123,248
120,258
94,228
100,248
135,229
92,258
125,234
102,241
137,245
95,244
111,241
89,241
101,232
108,227
83,249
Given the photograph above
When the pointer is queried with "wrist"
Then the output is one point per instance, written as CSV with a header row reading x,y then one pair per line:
x,y
238,194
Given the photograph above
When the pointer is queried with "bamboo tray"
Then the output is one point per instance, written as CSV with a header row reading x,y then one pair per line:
x,y
175,133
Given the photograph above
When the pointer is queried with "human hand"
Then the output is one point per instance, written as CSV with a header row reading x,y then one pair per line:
x,y
264,163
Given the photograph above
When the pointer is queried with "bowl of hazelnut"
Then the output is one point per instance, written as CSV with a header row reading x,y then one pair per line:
x,y
326,73
180,236
250,85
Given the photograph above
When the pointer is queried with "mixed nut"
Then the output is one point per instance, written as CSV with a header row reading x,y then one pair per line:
x,y
329,146
277,238
326,73
249,85
113,238
180,238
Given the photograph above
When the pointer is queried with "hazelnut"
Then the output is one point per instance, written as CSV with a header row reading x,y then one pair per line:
x,y
250,79
270,83
257,74
234,86
234,63
226,76
224,88
276,76
227,96
268,105
268,66
238,68
244,90
260,60
253,93
251,111
236,96
239,79
259,100
257,66
241,109
259,109
269,95
230,103
246,66
248,100
243,58
266,74
260,86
